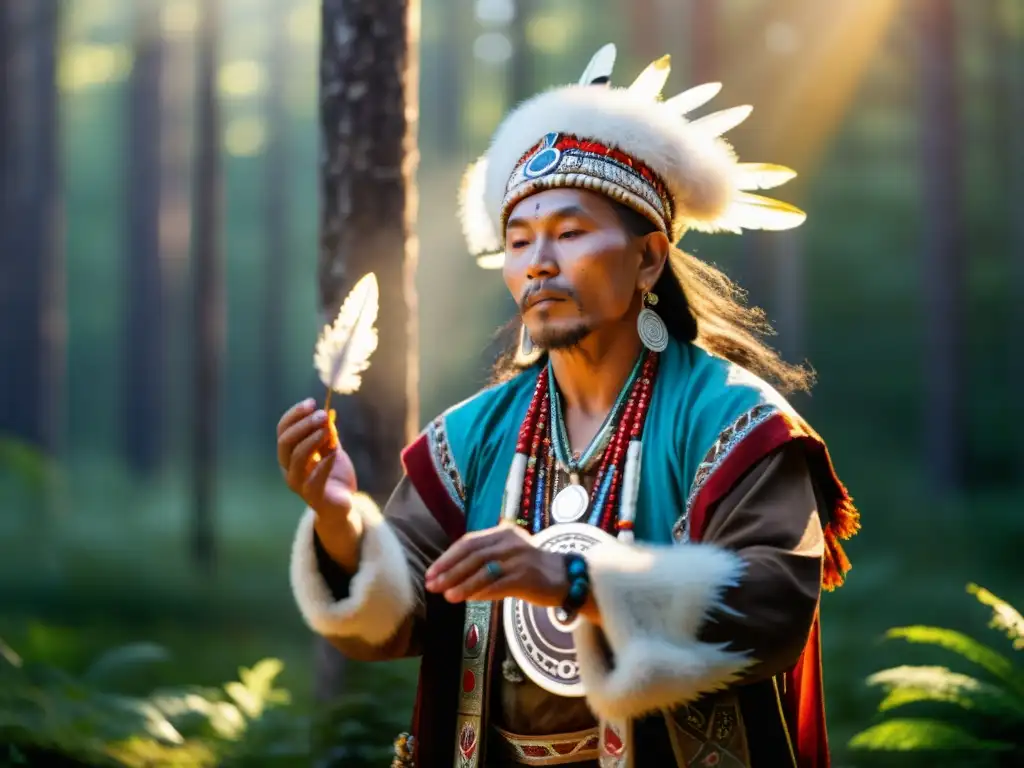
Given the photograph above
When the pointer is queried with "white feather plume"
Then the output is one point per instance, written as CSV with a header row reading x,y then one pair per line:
x,y
344,347
762,176
649,83
723,121
749,211
693,98
601,65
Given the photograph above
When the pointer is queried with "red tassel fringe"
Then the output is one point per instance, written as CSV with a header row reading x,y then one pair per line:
x,y
843,518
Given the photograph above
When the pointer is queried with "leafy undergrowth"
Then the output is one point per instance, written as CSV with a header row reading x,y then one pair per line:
x,y
49,717
956,718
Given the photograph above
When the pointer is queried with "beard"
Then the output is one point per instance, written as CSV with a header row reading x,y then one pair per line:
x,y
549,339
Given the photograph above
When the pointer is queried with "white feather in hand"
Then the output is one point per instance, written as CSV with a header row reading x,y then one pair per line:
x,y
344,348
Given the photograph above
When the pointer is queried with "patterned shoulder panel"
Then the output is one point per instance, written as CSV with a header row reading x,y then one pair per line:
x,y
444,462
458,439
720,450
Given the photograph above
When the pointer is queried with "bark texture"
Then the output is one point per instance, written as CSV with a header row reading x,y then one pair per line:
x,y
368,122
368,112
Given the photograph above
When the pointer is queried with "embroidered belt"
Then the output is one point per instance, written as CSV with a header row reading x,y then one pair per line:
x,y
556,749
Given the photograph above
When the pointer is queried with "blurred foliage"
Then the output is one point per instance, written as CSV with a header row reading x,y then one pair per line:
x,y
49,716
964,719
27,466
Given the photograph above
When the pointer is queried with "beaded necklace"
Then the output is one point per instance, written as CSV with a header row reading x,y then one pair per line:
x,y
533,499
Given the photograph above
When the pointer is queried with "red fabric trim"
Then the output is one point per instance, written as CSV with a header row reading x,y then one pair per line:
x,y
437,695
805,696
434,713
805,701
420,469
770,435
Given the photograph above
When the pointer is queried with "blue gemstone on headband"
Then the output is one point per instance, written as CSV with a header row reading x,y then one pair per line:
x,y
544,161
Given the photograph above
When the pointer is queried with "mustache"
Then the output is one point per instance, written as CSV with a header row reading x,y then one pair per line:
x,y
547,286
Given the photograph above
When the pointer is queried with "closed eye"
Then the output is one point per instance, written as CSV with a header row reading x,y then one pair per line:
x,y
518,243
570,234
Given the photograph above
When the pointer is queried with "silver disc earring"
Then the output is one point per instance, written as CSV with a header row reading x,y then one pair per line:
x,y
650,326
526,348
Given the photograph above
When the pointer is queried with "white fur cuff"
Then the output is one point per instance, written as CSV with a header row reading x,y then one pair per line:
x,y
381,593
653,602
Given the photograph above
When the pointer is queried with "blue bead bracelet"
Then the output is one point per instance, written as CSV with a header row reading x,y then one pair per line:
x,y
579,583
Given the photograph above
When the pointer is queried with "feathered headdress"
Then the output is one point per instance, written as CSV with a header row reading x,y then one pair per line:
x,y
629,144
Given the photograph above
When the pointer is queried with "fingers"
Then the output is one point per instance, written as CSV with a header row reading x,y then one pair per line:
x,y
469,565
295,434
293,414
483,583
460,549
298,466
313,488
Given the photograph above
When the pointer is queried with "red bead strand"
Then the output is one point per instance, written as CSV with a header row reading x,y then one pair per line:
x,y
526,503
534,440
631,429
530,422
616,451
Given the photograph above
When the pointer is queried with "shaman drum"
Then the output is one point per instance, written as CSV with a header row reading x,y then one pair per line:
x,y
538,639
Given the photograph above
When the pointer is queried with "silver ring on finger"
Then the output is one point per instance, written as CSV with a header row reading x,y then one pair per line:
x,y
494,570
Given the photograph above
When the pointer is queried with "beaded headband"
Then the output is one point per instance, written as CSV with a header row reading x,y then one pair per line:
x,y
630,145
567,161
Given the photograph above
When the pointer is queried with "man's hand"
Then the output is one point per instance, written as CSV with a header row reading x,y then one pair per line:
x,y
323,478
523,571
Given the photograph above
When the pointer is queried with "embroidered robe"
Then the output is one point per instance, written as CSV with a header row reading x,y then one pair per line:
x,y
709,650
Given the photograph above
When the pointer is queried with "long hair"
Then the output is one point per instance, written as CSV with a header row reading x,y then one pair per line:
x,y
701,305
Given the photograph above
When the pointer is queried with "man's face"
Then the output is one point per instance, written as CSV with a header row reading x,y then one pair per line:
x,y
571,266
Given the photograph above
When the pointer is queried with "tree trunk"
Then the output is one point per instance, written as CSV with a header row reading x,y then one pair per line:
x,y
520,66
944,267
275,215
6,126
448,80
704,45
1010,156
208,290
143,342
176,176
646,37
788,293
32,297
368,80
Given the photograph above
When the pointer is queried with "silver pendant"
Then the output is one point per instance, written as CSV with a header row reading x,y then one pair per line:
x,y
570,504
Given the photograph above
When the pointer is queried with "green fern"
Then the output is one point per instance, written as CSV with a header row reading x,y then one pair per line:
x,y
981,714
910,685
50,717
921,734
54,716
993,662
1005,617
